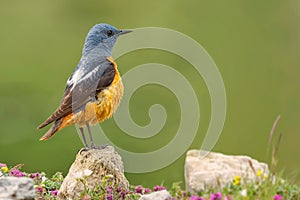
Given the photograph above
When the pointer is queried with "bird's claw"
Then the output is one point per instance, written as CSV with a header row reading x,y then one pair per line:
x,y
93,146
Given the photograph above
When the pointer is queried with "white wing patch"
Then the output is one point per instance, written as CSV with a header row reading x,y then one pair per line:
x,y
75,78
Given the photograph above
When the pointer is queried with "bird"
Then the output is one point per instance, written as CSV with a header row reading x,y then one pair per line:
x,y
94,90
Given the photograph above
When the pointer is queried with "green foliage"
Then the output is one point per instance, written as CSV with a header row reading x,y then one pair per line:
x,y
263,187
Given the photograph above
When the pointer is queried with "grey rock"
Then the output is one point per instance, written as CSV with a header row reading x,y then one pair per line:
x,y
94,164
159,195
216,170
16,188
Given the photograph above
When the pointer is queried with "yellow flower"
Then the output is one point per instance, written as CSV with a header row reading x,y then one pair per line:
x,y
265,176
259,172
4,169
236,180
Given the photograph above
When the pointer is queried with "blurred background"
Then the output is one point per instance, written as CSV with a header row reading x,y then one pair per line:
x,y
255,44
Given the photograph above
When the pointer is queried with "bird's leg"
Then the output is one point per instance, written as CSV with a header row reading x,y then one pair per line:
x,y
93,146
90,134
83,137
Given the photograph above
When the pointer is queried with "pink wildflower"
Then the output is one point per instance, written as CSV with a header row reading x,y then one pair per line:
x,y
159,188
278,197
34,175
16,173
147,190
216,196
39,190
196,198
3,165
139,189
54,192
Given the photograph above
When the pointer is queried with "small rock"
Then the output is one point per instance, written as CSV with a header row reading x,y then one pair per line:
x,y
15,188
159,195
216,170
94,164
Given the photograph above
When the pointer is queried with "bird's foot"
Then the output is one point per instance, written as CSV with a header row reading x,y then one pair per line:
x,y
93,146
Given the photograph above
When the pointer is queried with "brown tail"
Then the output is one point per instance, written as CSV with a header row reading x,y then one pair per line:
x,y
45,123
52,130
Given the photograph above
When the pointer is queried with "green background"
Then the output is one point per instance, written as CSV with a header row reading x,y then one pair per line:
x,y
255,45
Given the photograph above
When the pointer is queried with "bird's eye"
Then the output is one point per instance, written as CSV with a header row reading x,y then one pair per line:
x,y
109,33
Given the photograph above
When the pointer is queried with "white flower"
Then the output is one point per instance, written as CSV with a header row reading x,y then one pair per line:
x,y
87,172
83,174
78,175
44,179
244,192
1,174
110,176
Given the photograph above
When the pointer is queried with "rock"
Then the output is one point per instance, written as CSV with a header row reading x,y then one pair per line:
x,y
94,164
216,170
13,188
159,195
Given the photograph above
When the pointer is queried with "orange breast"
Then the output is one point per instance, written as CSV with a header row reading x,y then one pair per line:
x,y
109,99
95,112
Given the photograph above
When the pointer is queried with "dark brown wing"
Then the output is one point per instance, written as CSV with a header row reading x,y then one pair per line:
x,y
76,97
107,78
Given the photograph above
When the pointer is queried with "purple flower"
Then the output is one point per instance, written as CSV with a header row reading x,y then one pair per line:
x,y
2,165
124,193
216,196
159,188
34,175
109,190
196,198
39,190
109,197
119,189
54,192
16,173
139,189
278,197
147,190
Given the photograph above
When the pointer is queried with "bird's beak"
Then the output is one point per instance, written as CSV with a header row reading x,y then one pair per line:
x,y
122,32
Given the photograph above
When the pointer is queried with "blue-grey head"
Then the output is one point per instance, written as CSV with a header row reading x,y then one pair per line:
x,y
101,39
